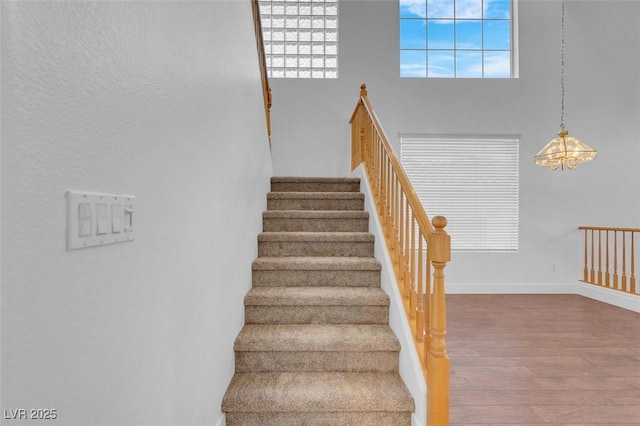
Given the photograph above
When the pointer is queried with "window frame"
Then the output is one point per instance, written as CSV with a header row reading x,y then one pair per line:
x,y
297,57
513,50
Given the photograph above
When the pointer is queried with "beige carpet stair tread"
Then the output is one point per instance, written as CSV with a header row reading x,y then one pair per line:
x,y
316,296
317,263
315,184
325,418
317,391
313,179
315,214
316,195
312,237
316,338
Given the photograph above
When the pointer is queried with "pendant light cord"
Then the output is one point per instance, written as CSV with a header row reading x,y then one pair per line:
x,y
562,69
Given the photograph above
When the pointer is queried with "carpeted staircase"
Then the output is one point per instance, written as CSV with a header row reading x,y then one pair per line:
x,y
316,348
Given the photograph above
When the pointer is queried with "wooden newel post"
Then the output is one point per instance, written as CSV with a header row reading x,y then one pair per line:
x,y
439,247
363,132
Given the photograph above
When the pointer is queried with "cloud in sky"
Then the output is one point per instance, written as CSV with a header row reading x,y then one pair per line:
x,y
441,64
464,9
413,69
497,64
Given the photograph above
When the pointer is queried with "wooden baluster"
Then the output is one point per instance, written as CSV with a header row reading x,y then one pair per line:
x,y
407,276
396,220
419,326
623,284
402,248
615,259
383,177
356,140
632,282
376,172
392,227
427,303
387,209
414,268
381,183
599,257
412,261
607,276
438,363
586,270
592,279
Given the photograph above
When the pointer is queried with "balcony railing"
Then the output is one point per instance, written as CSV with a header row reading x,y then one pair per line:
x,y
610,258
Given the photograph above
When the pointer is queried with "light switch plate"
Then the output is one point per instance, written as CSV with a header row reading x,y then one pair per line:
x,y
95,219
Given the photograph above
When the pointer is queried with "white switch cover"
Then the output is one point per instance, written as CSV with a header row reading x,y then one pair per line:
x,y
98,219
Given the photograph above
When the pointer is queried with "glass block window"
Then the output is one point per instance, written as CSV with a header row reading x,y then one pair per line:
x,y
473,182
300,38
457,38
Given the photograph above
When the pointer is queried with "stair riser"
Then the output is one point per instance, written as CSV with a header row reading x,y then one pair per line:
x,y
315,225
253,362
315,248
303,278
262,314
314,204
314,187
297,418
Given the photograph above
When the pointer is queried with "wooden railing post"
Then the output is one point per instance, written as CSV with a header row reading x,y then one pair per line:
x,y
438,367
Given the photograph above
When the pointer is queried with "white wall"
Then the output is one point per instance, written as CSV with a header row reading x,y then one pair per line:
x,y
311,134
161,100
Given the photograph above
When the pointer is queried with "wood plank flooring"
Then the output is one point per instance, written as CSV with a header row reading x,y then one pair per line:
x,y
542,359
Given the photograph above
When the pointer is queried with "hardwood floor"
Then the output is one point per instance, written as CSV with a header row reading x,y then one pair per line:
x,y
542,359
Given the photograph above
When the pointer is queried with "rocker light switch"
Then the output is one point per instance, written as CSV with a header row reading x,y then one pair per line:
x,y
128,218
99,219
102,219
84,220
116,218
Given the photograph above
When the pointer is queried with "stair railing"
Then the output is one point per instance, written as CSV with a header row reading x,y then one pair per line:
x,y
417,251
266,88
610,258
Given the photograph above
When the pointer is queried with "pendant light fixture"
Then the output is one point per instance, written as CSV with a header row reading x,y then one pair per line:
x,y
564,151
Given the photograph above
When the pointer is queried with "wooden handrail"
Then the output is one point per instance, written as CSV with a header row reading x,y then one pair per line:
x,y
266,88
418,251
620,269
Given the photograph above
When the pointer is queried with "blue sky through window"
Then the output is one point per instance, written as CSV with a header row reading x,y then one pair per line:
x,y
455,38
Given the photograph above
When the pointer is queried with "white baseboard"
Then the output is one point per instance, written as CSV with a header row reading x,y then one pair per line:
x,y
511,288
415,421
612,297
409,364
222,421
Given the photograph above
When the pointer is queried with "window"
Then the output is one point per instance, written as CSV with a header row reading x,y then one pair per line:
x,y
473,182
300,38
457,38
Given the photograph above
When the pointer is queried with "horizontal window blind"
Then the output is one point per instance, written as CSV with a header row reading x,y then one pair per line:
x,y
473,182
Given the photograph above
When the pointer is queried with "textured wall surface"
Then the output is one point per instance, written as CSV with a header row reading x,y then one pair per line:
x,y
161,100
602,108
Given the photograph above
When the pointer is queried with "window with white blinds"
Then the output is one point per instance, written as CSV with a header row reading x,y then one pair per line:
x,y
473,182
